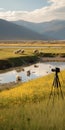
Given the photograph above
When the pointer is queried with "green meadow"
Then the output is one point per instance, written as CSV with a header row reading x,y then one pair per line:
x,y
7,49
6,53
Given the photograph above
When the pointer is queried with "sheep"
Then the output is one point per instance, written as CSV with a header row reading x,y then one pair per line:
x,y
36,66
18,78
17,51
22,69
22,51
36,51
28,73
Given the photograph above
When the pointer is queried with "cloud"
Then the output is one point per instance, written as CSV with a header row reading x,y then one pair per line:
x,y
55,10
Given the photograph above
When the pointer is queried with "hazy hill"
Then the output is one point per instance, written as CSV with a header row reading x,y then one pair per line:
x,y
11,31
54,29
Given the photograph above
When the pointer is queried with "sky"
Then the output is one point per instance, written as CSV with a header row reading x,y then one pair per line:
x,y
32,10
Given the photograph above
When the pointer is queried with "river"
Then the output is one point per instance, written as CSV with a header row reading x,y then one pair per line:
x,y
37,70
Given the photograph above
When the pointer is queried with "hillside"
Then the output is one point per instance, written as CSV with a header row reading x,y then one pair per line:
x,y
11,31
54,29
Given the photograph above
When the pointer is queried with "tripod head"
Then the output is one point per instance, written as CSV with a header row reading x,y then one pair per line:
x,y
56,70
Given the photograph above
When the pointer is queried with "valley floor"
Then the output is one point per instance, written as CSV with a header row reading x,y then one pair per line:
x,y
28,106
11,52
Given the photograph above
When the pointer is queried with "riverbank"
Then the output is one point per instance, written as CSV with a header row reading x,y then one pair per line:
x,y
29,60
45,52
10,61
8,86
54,59
17,62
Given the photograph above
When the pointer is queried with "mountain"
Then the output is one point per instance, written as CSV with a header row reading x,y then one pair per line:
x,y
23,30
54,29
11,31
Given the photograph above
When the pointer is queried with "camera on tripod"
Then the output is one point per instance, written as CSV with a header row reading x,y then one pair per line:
x,y
56,84
57,70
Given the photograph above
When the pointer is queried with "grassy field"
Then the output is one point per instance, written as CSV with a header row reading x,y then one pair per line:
x,y
6,53
8,58
32,43
27,107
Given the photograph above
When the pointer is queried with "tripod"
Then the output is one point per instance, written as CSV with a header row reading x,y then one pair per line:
x,y
56,85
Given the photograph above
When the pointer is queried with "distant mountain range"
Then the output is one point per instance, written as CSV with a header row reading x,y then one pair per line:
x,y
23,30
11,31
53,30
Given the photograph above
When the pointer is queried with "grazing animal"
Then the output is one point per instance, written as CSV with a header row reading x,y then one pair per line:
x,y
36,51
36,66
22,69
17,51
18,78
22,51
28,73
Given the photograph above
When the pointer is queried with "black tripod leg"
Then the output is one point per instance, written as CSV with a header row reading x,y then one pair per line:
x,y
50,95
60,89
58,83
54,82
51,92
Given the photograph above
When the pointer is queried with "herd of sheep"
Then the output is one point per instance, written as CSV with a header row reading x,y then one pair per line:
x,y
19,51
22,51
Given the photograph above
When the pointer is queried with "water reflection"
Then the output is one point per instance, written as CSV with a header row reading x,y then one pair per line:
x,y
42,70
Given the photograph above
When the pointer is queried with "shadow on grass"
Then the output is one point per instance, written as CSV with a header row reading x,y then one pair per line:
x,y
48,54
17,61
51,54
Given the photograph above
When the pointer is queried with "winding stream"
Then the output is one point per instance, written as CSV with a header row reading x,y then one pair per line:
x,y
38,70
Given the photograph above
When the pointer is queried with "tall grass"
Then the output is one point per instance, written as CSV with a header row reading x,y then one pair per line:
x,y
25,107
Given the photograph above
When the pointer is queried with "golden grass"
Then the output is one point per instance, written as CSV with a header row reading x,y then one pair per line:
x,y
25,107
37,88
32,43
6,53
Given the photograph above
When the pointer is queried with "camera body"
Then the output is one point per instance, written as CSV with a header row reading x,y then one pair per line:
x,y
57,70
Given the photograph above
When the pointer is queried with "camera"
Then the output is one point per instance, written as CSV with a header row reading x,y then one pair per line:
x,y
57,70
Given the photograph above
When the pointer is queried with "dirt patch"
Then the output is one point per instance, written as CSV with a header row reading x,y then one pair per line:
x,y
8,86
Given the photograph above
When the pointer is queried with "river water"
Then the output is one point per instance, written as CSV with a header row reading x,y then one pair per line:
x,y
37,70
